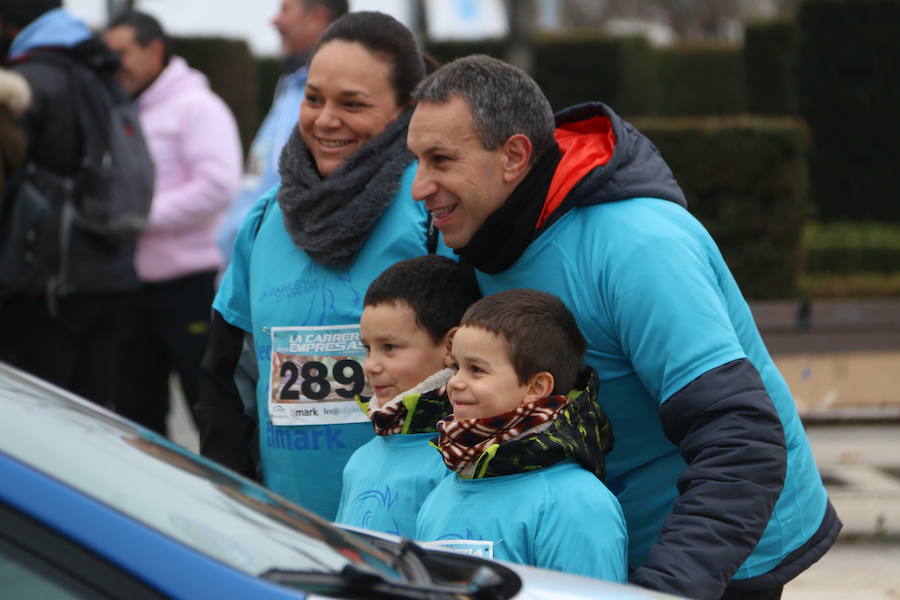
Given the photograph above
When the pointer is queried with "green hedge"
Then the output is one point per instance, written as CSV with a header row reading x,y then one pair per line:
x,y
445,52
705,79
619,71
627,73
849,92
232,74
584,67
857,285
845,248
269,69
745,180
770,54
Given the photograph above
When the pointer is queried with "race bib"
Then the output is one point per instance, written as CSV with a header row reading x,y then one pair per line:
x,y
480,548
315,374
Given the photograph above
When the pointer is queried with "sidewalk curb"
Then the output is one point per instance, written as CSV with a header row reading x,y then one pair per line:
x,y
863,415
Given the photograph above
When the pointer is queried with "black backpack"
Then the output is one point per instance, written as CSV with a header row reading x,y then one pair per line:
x,y
109,196
114,187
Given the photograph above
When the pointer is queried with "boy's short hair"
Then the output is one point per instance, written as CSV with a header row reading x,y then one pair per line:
x,y
539,332
436,288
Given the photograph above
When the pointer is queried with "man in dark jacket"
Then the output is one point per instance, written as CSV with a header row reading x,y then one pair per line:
x,y
711,464
63,336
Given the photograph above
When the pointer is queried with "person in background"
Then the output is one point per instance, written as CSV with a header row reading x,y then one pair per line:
x,y
62,326
304,257
525,444
196,148
411,311
712,466
299,24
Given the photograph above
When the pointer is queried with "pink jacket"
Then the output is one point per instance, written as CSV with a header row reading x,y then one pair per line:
x,y
196,148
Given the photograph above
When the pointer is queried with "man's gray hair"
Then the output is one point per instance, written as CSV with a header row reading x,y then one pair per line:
x,y
503,99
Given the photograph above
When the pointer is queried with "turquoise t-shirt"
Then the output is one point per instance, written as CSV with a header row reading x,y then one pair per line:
x,y
658,307
559,517
386,481
304,319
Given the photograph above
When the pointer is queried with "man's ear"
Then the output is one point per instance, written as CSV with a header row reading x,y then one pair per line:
x,y
540,385
517,150
448,346
158,51
318,13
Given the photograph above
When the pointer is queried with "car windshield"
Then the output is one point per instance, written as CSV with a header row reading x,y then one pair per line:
x,y
176,492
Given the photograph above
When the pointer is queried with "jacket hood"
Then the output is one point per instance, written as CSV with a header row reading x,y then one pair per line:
x,y
605,159
581,431
54,28
15,93
176,78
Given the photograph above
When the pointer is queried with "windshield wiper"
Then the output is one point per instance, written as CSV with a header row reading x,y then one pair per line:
x,y
368,583
408,559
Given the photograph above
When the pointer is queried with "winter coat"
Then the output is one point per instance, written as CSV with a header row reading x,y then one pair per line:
x,y
196,149
54,140
704,421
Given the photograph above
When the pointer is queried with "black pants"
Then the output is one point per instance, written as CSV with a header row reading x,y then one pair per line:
x,y
773,594
166,331
74,348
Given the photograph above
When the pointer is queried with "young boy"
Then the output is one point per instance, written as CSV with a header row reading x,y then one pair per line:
x,y
409,314
527,459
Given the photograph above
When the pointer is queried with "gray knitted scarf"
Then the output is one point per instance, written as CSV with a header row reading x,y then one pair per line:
x,y
331,218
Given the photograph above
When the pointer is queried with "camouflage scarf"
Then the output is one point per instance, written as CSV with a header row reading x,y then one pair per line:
x,y
462,442
415,411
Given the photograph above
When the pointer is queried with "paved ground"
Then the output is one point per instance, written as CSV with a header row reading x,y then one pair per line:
x,y
861,467
850,571
181,428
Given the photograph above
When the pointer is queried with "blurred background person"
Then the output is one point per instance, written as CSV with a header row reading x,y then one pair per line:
x,y
61,300
299,24
303,259
195,145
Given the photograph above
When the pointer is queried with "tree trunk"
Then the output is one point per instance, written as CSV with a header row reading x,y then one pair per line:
x,y
521,18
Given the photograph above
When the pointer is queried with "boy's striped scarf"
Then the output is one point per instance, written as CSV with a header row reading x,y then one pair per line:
x,y
463,442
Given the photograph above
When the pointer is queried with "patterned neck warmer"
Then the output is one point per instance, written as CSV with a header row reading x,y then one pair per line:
x,y
463,442
415,411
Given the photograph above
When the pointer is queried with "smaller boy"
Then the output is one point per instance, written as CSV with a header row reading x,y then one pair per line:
x,y
409,314
527,460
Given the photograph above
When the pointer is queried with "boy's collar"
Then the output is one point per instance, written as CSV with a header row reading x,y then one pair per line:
x,y
433,381
397,415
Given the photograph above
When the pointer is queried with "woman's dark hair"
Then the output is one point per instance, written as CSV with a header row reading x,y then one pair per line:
x,y
382,34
